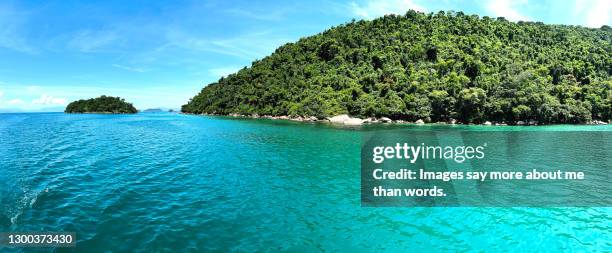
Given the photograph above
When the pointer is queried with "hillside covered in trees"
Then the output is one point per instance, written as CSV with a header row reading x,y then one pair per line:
x,y
102,104
428,66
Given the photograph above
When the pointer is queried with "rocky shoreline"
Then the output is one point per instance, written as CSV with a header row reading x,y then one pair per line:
x,y
347,120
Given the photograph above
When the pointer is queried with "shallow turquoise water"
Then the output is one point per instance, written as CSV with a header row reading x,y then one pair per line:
x,y
169,182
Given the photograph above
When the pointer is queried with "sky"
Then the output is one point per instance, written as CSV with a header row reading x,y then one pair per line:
x,y
161,53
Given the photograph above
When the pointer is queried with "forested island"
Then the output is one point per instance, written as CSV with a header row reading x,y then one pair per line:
x,y
428,67
102,104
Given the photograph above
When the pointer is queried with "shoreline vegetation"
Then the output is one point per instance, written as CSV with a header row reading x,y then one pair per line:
x,y
355,121
101,105
436,67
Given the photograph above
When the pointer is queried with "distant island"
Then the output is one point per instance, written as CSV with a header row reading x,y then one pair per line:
x,y
436,67
160,109
153,110
102,104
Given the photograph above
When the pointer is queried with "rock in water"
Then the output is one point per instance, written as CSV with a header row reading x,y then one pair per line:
x,y
385,120
353,122
339,119
346,120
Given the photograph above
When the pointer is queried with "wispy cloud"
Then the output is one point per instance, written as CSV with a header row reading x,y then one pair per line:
x,y
131,69
90,40
14,102
264,15
49,100
10,102
507,9
55,97
373,8
16,96
33,88
247,46
12,28
593,13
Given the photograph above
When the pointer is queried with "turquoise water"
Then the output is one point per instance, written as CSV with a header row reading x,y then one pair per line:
x,y
169,182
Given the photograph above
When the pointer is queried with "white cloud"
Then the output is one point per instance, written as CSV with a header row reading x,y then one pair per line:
x,y
373,8
168,95
49,100
506,9
14,102
1,94
593,13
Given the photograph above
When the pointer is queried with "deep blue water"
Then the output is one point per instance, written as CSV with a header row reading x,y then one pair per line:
x,y
170,182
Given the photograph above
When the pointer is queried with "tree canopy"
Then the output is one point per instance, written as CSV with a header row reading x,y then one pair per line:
x,y
102,104
428,66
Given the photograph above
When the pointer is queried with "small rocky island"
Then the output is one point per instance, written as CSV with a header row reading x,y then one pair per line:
x,y
102,104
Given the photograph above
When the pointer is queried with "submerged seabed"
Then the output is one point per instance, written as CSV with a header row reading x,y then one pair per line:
x,y
160,181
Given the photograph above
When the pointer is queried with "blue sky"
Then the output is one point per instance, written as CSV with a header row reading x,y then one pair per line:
x,y
161,53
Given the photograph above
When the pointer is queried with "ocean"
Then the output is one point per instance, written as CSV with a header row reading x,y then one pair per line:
x,y
165,182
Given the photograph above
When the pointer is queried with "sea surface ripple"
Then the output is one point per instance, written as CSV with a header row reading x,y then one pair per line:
x,y
162,182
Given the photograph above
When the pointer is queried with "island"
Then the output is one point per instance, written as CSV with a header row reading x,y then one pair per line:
x,y
436,67
153,110
102,104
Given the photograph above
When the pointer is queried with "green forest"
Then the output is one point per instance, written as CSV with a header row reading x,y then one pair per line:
x,y
102,104
433,67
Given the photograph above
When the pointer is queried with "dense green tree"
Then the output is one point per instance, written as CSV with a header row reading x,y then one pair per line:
x,y
431,67
102,104
471,104
441,104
